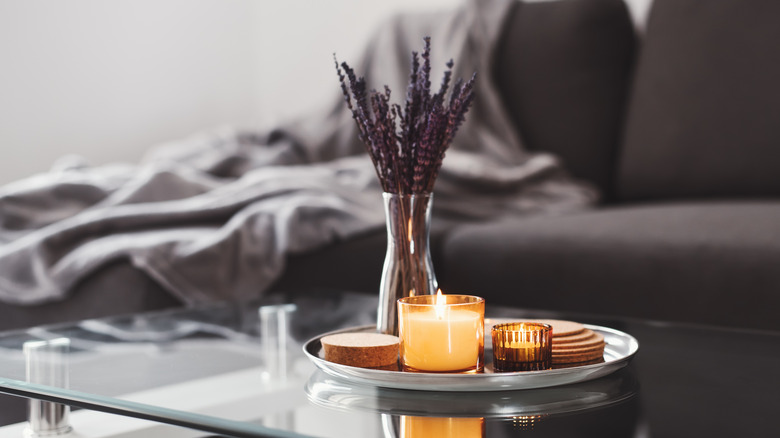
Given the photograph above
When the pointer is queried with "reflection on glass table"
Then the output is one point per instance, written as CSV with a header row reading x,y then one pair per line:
x,y
239,370
442,411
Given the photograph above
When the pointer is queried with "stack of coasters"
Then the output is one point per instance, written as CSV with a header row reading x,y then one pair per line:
x,y
573,344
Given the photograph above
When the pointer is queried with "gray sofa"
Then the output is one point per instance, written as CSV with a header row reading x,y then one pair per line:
x,y
678,128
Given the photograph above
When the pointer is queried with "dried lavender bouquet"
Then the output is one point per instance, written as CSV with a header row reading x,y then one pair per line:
x,y
407,145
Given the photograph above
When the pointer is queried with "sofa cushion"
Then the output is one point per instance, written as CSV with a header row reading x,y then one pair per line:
x,y
117,288
563,69
713,263
355,264
704,119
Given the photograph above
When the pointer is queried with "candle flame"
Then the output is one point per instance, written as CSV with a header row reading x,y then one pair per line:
x,y
441,305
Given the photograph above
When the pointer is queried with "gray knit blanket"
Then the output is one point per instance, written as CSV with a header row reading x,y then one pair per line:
x,y
214,216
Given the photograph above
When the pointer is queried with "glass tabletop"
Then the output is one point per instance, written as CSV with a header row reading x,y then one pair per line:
x,y
238,369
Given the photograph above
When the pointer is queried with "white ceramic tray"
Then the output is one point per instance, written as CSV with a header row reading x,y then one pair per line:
x,y
620,348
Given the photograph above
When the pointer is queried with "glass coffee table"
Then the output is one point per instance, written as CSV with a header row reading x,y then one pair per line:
x,y
240,370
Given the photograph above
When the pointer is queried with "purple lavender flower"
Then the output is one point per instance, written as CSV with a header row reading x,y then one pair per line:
x,y
407,144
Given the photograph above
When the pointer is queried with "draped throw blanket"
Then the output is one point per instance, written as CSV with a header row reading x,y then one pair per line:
x,y
213,216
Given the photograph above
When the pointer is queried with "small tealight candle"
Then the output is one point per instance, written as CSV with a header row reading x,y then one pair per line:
x,y
442,333
442,427
522,346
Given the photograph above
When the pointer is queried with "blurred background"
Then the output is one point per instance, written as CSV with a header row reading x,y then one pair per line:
x,y
107,80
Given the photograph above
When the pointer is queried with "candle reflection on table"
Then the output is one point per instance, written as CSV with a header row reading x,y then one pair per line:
x,y
442,427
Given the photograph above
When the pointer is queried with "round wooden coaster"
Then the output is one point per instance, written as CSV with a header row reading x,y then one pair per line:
x,y
585,334
560,327
594,340
367,350
582,357
571,351
577,364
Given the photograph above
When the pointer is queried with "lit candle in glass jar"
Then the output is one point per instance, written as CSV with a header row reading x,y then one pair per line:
x,y
442,333
522,346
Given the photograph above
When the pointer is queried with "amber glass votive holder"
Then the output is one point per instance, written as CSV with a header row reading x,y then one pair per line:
x,y
522,346
442,333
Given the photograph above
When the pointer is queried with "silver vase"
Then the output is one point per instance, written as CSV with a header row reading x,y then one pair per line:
x,y
408,270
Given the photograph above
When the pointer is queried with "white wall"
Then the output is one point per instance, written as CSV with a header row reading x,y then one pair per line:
x,y
108,79
105,79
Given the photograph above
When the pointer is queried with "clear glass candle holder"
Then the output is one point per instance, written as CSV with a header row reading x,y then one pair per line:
x,y
442,333
522,346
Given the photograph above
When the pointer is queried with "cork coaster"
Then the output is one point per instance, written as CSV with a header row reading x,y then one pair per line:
x,y
585,334
575,351
560,327
578,357
594,340
583,351
392,367
577,364
365,350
